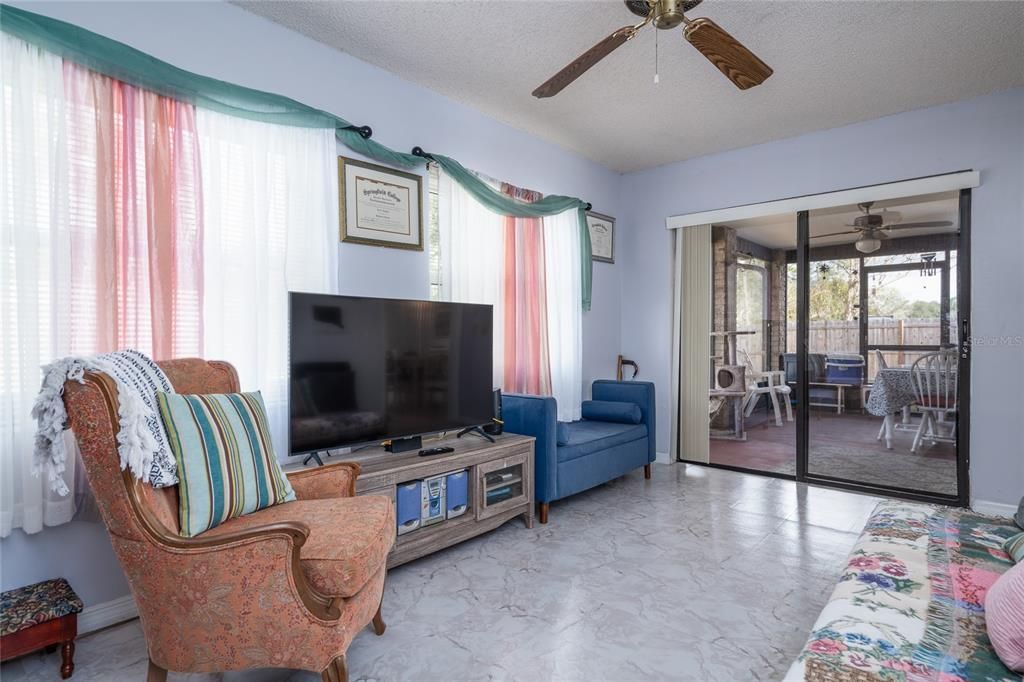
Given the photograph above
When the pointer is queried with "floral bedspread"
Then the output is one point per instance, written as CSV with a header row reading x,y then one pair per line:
x,y
910,605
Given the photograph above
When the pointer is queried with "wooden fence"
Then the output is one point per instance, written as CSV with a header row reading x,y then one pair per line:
x,y
843,336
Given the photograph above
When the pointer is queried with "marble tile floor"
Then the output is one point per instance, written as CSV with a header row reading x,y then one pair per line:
x,y
698,574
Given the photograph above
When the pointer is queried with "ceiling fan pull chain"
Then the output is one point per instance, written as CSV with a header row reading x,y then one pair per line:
x,y
657,78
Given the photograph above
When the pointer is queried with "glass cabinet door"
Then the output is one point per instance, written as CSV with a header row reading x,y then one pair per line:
x,y
502,484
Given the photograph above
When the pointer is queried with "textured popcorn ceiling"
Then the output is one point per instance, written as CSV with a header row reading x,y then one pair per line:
x,y
835,63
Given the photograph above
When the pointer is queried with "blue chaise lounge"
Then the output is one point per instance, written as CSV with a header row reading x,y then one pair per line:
x,y
615,436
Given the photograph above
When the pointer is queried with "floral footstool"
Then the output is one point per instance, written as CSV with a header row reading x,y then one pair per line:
x,y
38,616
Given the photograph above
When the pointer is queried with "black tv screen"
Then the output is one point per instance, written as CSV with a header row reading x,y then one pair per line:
x,y
363,370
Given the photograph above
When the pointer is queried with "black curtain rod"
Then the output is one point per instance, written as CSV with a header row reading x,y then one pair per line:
x,y
418,151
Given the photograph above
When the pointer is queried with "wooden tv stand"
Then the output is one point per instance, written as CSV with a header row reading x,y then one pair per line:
x,y
382,471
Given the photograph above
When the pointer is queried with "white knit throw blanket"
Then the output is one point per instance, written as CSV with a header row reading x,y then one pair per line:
x,y
142,440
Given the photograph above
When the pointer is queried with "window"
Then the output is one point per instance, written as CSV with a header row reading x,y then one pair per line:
x,y
117,246
752,309
528,270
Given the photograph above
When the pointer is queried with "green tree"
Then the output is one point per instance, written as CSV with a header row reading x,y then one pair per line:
x,y
923,310
835,294
835,290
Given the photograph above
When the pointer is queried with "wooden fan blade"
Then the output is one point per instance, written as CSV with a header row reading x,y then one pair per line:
x,y
926,223
739,64
833,234
579,66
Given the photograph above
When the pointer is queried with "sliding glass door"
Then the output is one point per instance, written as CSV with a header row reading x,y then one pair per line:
x,y
883,368
831,352
750,399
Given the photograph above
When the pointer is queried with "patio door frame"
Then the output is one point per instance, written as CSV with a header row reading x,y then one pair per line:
x,y
803,419
962,181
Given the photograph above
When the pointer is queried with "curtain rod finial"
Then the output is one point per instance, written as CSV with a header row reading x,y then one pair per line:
x,y
588,206
418,151
365,132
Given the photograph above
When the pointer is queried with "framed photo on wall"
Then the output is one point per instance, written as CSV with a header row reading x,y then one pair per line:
x,y
379,206
602,237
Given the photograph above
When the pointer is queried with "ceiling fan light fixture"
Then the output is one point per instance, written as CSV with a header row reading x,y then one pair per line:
x,y
868,244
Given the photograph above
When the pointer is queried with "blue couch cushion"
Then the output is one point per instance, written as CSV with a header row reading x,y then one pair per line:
x,y
587,437
611,411
562,433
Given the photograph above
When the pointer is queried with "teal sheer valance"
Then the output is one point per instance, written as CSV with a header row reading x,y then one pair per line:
x,y
503,204
125,63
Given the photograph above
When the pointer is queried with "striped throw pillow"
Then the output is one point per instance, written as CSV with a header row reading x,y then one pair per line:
x,y
1015,547
226,462
1004,618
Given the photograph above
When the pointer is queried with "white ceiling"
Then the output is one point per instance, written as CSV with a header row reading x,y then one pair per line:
x,y
779,231
835,63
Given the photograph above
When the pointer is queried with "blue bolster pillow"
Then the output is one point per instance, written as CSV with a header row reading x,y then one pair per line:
x,y
611,411
562,434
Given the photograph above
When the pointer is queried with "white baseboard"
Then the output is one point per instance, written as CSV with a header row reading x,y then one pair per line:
x,y
994,508
662,458
99,616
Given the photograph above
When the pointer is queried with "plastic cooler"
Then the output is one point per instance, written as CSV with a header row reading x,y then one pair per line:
x,y
844,369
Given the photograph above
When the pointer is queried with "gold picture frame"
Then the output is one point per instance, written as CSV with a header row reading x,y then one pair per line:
x,y
379,206
602,237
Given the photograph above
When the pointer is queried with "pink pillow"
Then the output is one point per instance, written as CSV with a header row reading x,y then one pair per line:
x,y
1004,617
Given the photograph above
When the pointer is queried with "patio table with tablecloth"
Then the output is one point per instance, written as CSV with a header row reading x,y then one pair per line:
x,y
891,391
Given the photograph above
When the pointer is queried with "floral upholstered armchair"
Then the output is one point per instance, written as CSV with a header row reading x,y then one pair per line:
x,y
288,586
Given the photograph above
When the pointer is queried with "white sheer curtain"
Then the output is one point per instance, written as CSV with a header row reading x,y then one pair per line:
x,y
472,271
472,257
565,317
35,251
270,197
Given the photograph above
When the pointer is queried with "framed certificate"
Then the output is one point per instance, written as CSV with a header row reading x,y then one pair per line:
x,y
602,237
379,206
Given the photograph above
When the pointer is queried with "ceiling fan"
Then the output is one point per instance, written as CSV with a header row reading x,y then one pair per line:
x,y
874,227
739,64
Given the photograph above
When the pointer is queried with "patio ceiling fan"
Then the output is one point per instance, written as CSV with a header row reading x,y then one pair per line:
x,y
874,227
740,65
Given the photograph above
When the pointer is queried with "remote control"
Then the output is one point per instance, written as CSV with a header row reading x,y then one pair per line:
x,y
435,451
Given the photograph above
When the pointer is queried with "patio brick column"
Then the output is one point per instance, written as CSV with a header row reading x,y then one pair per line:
x,y
777,273
723,269
723,315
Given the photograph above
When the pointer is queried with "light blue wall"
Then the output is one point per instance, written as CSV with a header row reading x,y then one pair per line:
x,y
79,551
984,134
229,43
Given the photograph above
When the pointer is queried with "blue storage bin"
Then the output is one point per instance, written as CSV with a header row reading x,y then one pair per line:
x,y
844,369
458,493
407,507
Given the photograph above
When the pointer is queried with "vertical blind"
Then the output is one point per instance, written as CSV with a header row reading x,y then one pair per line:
x,y
693,268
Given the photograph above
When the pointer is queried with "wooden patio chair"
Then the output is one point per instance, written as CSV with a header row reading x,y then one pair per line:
x,y
936,383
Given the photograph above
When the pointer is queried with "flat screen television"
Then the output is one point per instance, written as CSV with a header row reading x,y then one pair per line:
x,y
363,370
